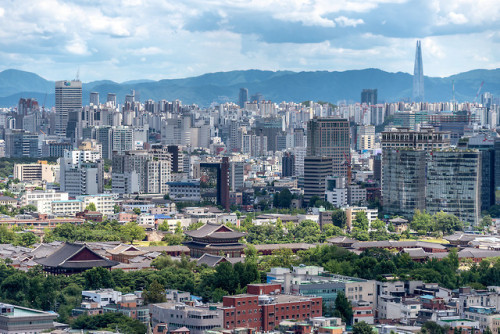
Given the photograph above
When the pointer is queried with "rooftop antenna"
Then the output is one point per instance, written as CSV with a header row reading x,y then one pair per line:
x,y
77,74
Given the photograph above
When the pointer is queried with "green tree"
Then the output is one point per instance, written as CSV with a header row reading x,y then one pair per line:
x,y
97,278
362,328
137,211
155,293
27,239
343,308
422,222
91,207
378,225
132,231
430,327
339,218
6,235
116,208
486,222
361,221
447,223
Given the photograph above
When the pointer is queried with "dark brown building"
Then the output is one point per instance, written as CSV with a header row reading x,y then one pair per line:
x,y
215,239
73,258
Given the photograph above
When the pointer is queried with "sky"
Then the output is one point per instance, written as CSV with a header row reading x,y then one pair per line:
x,y
164,39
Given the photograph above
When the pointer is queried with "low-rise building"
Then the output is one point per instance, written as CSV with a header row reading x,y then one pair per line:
x,y
17,319
195,318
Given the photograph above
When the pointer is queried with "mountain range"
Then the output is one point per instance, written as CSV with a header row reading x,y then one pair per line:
x,y
275,86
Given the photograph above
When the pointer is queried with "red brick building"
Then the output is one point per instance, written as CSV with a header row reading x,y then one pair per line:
x,y
264,312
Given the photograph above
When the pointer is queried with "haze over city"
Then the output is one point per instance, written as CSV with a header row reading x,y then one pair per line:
x,y
126,40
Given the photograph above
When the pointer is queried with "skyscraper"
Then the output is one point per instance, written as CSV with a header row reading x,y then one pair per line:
x,y
418,75
243,97
68,98
329,137
94,98
369,96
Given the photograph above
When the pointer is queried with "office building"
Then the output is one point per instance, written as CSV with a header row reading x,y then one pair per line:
x,y
68,98
236,175
94,98
263,312
82,178
197,319
140,171
486,146
288,165
454,184
329,137
314,281
403,180
365,137
243,97
215,182
418,75
21,144
425,139
40,171
111,98
369,96
316,171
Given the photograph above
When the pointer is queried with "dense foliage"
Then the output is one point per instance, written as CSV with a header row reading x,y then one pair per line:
x,y
96,231
63,293
19,238
375,263
110,322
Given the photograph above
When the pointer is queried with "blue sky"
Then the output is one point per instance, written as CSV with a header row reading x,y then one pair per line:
x,y
139,39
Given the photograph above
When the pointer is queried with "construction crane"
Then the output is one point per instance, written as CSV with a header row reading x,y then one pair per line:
x,y
478,91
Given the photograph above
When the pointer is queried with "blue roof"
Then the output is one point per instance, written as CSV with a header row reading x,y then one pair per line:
x,y
161,216
427,296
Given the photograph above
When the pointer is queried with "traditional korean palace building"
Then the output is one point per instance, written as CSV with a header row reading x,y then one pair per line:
x,y
215,239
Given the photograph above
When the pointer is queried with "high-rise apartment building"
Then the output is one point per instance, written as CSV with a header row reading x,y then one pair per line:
x,y
369,96
418,75
454,183
68,98
329,137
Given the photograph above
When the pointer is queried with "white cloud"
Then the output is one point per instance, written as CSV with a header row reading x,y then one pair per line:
x,y
347,22
136,39
77,46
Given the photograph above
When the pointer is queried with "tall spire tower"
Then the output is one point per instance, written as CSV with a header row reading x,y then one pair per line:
x,y
418,75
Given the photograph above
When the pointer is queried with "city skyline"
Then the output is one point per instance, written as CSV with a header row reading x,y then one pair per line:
x,y
172,40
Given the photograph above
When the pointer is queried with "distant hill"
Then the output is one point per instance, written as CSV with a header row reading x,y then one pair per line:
x,y
276,86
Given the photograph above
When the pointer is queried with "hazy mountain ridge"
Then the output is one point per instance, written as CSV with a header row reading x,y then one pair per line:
x,y
276,86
